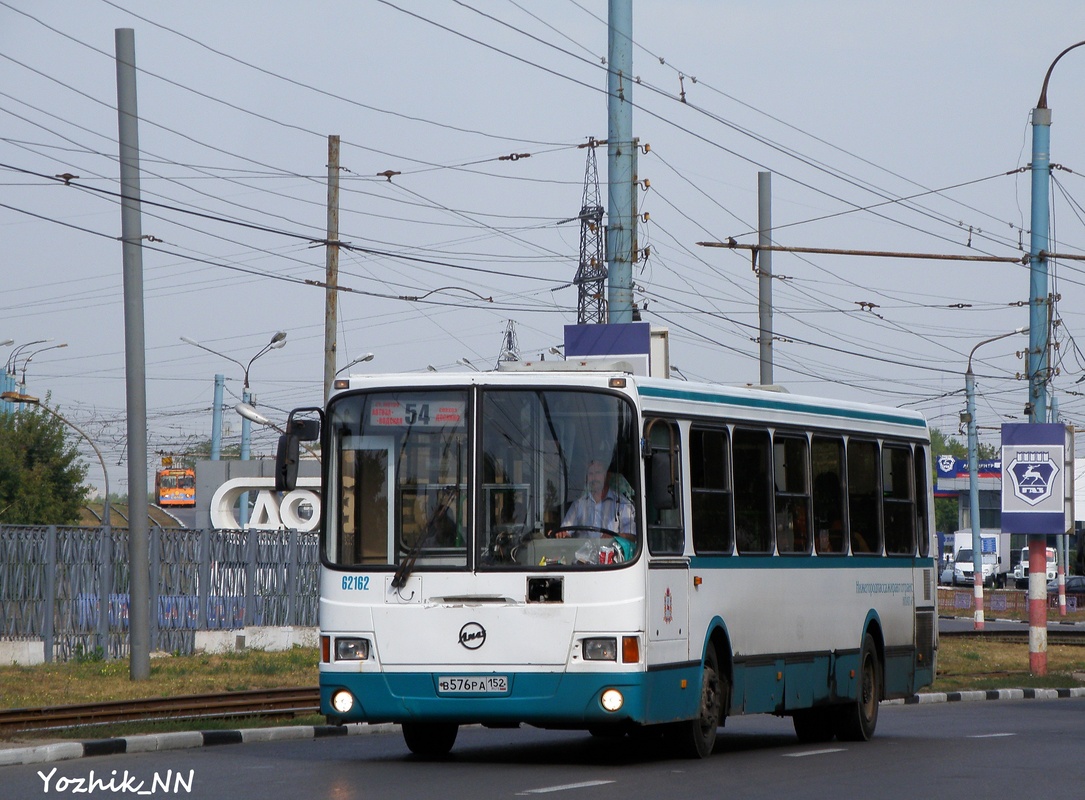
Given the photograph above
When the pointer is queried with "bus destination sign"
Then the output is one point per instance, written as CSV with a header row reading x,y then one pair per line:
x,y
429,413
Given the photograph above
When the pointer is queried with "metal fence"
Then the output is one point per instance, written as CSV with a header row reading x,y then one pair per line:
x,y
69,586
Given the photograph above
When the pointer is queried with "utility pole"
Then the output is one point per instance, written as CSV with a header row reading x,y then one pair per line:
x,y
331,291
1039,348
621,163
764,274
1039,321
139,609
216,419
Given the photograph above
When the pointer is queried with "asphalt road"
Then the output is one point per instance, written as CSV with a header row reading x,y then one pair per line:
x,y
946,750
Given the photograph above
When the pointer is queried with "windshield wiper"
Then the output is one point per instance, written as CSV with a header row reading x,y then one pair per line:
x,y
403,571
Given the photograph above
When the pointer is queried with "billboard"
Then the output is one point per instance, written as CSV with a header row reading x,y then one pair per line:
x,y
1035,479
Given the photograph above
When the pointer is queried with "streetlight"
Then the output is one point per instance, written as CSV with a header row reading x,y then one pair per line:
x,y
1039,345
22,382
973,475
14,355
678,372
19,397
9,384
1039,306
358,360
277,341
466,363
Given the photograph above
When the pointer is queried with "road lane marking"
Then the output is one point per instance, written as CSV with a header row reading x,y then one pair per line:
x,y
564,787
816,752
989,735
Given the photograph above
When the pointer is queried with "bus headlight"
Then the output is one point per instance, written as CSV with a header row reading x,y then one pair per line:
x,y
342,701
603,649
612,700
351,649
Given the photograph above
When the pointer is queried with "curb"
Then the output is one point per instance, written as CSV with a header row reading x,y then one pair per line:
x,y
64,751
182,740
982,695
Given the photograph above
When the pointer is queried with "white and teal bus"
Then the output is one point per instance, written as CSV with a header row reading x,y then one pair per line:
x,y
777,556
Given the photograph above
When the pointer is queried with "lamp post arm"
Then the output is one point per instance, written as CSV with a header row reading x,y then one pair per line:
x,y
1042,102
1014,332
194,343
277,341
97,452
14,356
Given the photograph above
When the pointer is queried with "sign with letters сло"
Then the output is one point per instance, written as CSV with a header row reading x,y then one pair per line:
x,y
1034,478
271,511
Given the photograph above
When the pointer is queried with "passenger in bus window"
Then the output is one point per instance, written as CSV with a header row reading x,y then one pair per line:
x,y
828,513
600,509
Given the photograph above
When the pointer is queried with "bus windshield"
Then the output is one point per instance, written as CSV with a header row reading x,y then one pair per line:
x,y
553,484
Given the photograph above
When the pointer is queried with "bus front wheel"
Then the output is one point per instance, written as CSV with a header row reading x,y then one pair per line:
x,y
695,738
430,739
859,718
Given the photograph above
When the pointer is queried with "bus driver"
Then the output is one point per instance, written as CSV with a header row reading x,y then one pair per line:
x,y
599,510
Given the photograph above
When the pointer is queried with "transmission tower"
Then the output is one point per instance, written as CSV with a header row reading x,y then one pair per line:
x,y
510,348
591,275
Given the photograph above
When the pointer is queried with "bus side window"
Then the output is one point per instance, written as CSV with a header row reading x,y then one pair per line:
x,y
790,470
828,467
864,497
898,507
752,459
922,490
666,535
710,489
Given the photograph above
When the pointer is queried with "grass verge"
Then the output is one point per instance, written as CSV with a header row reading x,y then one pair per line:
x,y
95,680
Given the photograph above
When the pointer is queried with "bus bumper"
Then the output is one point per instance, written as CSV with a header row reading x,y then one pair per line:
x,y
542,699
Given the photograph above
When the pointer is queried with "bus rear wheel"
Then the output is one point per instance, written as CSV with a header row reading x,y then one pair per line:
x,y
695,738
858,719
430,739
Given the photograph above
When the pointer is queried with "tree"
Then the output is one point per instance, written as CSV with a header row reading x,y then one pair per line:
x,y
41,475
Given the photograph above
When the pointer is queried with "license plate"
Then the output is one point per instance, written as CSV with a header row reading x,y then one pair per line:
x,y
473,684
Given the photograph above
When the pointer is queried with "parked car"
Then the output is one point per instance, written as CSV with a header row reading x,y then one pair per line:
x,y
1075,584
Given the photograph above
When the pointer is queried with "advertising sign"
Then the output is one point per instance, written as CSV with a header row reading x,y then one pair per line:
x,y
1034,478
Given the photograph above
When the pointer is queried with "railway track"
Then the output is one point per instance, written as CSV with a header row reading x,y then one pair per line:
x,y
258,703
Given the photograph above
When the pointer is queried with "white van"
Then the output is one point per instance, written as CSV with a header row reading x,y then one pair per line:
x,y
1020,572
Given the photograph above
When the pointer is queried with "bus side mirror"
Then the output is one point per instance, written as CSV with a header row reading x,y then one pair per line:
x,y
662,487
286,463
288,454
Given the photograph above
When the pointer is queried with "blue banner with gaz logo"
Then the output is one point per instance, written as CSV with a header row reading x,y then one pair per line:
x,y
1034,478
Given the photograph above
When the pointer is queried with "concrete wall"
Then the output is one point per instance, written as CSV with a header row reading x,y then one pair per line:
x,y
23,653
27,653
255,638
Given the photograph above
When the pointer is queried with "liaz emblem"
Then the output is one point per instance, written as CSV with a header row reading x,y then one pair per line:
x,y
1033,474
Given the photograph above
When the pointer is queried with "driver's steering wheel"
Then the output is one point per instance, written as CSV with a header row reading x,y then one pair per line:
x,y
605,531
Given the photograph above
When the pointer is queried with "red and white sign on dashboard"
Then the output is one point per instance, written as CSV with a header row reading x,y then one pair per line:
x,y
431,413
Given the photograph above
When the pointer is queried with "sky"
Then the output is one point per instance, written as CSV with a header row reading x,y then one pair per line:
x,y
886,126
